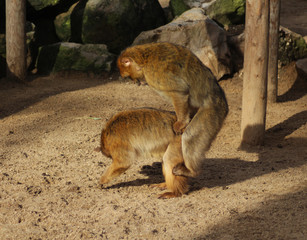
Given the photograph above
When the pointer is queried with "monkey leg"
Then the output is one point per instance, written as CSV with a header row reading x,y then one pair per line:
x,y
177,185
161,186
197,139
120,163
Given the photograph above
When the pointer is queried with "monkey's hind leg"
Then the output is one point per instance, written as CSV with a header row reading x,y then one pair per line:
x,y
197,139
177,185
161,186
120,163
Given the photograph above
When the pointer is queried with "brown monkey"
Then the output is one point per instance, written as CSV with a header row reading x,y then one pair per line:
x,y
132,133
177,74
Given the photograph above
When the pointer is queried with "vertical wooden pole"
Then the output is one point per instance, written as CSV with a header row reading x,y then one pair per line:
x,y
255,72
16,39
273,50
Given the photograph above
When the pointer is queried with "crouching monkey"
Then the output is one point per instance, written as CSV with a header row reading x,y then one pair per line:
x,y
130,134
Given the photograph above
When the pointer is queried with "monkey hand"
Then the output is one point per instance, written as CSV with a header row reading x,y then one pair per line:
x,y
179,127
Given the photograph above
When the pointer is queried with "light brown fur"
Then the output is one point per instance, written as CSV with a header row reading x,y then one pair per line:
x,y
199,102
129,134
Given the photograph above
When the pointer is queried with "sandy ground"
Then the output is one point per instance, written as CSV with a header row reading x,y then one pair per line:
x,y
49,172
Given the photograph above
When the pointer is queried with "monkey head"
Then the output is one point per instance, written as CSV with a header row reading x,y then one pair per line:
x,y
129,68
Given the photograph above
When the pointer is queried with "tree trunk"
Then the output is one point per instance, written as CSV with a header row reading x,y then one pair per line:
x,y
16,39
255,72
273,50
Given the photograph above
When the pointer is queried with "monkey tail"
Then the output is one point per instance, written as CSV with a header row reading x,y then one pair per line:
x,y
103,144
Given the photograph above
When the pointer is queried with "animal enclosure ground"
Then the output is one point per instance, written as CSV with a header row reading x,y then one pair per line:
x,y
49,172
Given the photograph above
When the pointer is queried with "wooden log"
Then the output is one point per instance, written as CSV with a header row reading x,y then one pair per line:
x,y
255,72
273,50
16,39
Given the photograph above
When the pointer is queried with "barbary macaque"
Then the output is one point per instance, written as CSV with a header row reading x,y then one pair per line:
x,y
142,132
199,101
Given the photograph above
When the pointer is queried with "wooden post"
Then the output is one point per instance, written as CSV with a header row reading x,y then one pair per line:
x,y
16,39
273,50
255,72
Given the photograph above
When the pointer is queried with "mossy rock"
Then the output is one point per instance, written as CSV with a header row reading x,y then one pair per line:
x,y
40,4
73,56
62,24
227,12
292,46
115,23
109,22
178,7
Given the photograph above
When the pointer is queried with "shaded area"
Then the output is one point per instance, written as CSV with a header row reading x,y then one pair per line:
x,y
13,99
274,219
297,90
153,172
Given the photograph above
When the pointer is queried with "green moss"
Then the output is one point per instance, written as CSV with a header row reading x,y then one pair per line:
x,y
301,48
64,57
228,12
63,27
69,56
178,7
40,4
291,47
240,7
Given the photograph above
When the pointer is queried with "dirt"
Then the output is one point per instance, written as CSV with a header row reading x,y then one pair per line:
x,y
49,171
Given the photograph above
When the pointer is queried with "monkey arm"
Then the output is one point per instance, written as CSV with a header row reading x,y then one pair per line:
x,y
181,104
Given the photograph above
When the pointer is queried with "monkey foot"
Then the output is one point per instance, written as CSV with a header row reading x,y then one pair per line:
x,y
168,195
161,186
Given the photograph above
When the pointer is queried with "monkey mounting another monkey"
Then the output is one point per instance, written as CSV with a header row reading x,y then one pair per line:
x,y
132,133
199,102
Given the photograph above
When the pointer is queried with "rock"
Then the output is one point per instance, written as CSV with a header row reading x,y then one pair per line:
x,y
301,66
226,12
292,46
62,24
198,33
178,7
40,4
114,23
73,56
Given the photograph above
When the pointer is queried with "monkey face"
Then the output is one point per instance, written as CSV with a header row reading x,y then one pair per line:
x,y
128,68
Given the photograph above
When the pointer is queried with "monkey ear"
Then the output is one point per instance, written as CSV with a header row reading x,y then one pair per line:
x,y
126,61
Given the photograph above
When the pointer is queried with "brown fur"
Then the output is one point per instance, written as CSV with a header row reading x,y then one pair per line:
x,y
132,133
199,102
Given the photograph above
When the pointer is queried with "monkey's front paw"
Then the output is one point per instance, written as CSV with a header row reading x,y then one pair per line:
x,y
179,127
